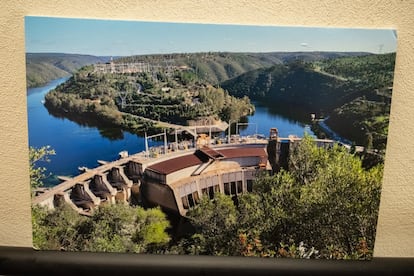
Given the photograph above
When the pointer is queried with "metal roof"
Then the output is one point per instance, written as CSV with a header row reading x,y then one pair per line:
x,y
201,156
176,164
211,153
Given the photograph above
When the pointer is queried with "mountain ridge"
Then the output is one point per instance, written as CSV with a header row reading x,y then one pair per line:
x,y
215,67
41,68
354,92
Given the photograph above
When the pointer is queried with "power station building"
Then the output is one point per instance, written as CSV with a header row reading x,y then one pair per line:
x,y
179,183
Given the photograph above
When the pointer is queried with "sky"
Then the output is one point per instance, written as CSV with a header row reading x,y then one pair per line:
x,y
124,38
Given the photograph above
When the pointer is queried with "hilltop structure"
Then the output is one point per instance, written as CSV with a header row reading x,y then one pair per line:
x,y
136,67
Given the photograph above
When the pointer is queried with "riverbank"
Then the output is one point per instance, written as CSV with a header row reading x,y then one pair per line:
x,y
324,131
81,141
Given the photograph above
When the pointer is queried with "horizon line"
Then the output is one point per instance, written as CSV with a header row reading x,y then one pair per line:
x,y
203,52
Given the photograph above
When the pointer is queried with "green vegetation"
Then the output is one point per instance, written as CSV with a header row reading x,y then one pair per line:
x,y
136,101
365,119
324,206
296,84
211,67
216,67
112,228
354,92
36,172
373,71
184,86
41,68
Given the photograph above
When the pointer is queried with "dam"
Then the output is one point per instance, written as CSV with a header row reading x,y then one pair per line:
x,y
175,178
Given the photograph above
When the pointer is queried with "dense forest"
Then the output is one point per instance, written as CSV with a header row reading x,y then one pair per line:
x,y
296,84
354,93
325,205
366,117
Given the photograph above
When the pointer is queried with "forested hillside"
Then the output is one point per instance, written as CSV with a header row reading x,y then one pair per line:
x,y
44,67
366,117
213,67
373,71
127,100
296,83
216,67
354,92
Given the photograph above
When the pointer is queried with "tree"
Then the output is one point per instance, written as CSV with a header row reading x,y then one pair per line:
x,y
56,229
329,199
276,201
151,226
325,205
215,221
123,228
40,239
112,228
37,174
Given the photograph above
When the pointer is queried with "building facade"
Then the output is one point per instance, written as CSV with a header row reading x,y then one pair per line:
x,y
179,183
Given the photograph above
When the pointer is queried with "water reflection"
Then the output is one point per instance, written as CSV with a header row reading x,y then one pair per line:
x,y
81,141
112,133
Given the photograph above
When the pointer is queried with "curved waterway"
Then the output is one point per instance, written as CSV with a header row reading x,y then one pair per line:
x,y
78,145
266,118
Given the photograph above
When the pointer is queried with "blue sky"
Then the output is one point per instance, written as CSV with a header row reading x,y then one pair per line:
x,y
121,38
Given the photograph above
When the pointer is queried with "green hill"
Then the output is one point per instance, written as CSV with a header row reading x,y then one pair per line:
x,y
296,84
44,67
366,117
354,92
216,67
139,101
373,71
212,67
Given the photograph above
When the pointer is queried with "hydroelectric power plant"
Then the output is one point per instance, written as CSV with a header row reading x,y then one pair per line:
x,y
175,177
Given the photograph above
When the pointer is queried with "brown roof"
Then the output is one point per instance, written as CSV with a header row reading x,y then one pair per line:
x,y
243,152
176,164
182,162
211,153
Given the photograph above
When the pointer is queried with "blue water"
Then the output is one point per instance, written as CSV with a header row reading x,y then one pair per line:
x,y
79,145
75,145
264,119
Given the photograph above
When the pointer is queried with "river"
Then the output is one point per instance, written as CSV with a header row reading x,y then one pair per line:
x,y
79,145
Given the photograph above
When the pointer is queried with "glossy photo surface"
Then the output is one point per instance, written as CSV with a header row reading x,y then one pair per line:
x,y
202,139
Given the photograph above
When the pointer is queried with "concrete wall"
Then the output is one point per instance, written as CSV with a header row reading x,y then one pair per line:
x,y
186,172
159,194
197,184
396,221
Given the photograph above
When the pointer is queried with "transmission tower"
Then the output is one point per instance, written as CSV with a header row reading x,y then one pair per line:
x,y
123,95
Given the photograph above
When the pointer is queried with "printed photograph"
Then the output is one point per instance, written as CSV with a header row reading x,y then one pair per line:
x,y
207,139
